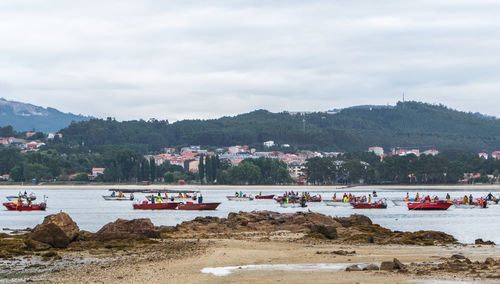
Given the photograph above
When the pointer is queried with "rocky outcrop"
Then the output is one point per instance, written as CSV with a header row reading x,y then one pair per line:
x,y
57,230
395,264
127,229
353,229
481,242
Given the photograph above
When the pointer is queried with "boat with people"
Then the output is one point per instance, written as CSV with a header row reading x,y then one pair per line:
x,y
174,197
14,206
436,205
336,202
271,196
156,206
366,205
118,197
198,206
24,196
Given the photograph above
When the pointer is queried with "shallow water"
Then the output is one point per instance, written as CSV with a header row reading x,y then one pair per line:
x,y
90,211
308,267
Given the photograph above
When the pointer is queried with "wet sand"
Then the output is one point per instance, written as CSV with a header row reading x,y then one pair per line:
x,y
221,253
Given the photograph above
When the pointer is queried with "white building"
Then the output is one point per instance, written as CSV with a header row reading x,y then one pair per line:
x,y
269,144
379,151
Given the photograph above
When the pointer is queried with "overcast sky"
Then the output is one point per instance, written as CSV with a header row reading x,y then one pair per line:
x,y
205,59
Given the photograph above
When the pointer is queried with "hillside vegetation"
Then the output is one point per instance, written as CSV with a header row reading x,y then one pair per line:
x,y
28,117
406,124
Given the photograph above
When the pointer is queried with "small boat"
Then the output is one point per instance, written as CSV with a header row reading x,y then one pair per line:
x,y
239,198
292,205
467,206
156,206
198,206
118,198
11,206
336,203
364,205
428,206
264,196
31,197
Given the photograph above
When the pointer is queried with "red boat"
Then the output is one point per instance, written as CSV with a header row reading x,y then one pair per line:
x,y
363,205
429,206
11,206
156,206
199,206
264,196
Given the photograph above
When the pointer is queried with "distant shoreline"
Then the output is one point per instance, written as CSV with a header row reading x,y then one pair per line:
x,y
484,187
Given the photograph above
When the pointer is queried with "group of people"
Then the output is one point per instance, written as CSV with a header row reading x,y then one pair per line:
x,y
353,198
240,194
120,194
158,198
293,196
465,200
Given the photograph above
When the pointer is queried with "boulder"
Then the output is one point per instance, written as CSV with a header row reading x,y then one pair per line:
x,y
481,242
371,267
388,265
489,261
398,264
84,236
353,268
36,245
126,229
58,230
330,232
354,220
50,234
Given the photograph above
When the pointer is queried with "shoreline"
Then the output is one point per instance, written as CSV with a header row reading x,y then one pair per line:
x,y
251,248
481,187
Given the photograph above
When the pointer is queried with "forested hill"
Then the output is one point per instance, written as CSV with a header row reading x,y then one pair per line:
x,y
28,117
356,128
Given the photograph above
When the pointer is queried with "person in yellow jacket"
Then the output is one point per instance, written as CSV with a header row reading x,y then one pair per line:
x,y
466,199
159,199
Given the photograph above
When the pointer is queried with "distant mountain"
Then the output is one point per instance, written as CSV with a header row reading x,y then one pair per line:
x,y
28,117
356,128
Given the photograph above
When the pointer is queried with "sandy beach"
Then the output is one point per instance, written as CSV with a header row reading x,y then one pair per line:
x,y
256,247
239,253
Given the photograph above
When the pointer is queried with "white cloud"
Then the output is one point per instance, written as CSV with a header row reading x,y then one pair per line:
x,y
204,59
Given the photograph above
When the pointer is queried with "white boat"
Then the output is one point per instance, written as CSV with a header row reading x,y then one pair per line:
x,y
337,203
237,198
15,197
117,198
466,206
291,205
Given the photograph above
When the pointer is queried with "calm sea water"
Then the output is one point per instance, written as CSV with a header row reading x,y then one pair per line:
x,y
90,211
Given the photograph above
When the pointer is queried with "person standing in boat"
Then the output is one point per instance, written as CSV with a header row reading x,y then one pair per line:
x,y
471,200
200,199
489,196
448,198
131,196
113,194
465,199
